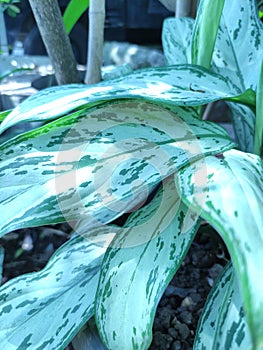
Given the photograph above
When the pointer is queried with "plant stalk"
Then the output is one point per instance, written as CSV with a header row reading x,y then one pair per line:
x,y
185,8
56,41
3,35
96,38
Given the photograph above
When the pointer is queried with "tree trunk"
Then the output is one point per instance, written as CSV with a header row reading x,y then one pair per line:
x,y
96,39
56,41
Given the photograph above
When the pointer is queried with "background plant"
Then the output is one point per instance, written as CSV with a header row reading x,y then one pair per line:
x,y
90,163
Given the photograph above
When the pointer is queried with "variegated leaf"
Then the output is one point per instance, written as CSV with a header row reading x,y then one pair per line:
x,y
45,309
205,31
223,324
138,266
238,54
175,85
228,191
176,40
244,126
98,163
239,46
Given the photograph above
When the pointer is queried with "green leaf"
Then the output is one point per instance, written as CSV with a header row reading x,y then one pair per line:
x,y
176,40
205,31
228,191
45,309
138,266
258,146
4,114
222,324
98,163
175,85
73,12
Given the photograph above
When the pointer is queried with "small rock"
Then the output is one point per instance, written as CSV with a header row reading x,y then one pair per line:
x,y
186,317
176,345
183,330
173,332
161,341
187,302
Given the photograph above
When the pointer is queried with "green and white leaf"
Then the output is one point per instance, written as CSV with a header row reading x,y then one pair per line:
x,y
243,120
229,194
238,55
239,46
205,31
176,40
223,324
45,309
174,85
139,265
98,163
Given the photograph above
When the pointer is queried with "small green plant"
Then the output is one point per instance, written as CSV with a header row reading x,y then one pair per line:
x,y
102,150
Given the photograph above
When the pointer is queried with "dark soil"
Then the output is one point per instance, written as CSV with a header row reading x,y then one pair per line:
x,y
180,307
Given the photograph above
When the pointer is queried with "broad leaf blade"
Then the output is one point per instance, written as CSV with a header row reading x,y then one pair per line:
x,y
205,31
223,324
176,40
174,85
239,46
229,191
138,266
45,309
98,163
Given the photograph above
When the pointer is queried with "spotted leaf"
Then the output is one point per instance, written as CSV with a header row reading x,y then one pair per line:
x,y
176,40
205,31
45,309
98,163
175,85
223,324
138,266
228,192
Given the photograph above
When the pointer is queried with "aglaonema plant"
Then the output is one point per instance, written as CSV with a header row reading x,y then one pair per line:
x,y
103,149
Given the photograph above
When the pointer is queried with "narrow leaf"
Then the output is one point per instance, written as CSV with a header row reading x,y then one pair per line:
x,y
205,31
138,266
73,12
228,191
223,324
